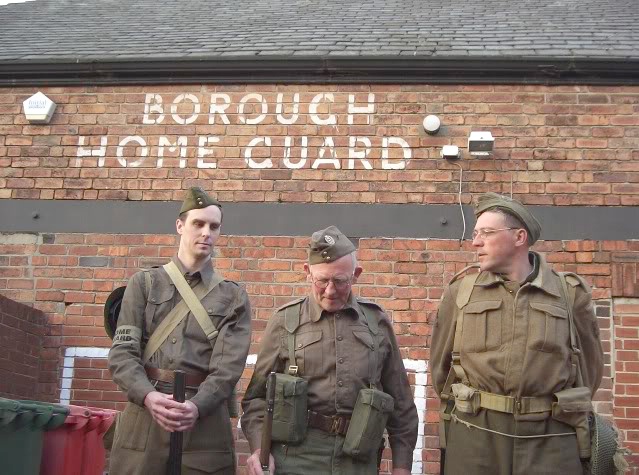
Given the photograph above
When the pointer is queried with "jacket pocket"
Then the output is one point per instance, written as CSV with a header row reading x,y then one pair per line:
x,y
160,298
548,328
133,426
482,326
207,461
308,352
362,356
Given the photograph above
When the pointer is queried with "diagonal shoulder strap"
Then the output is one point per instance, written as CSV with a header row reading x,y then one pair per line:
x,y
373,328
291,322
176,315
570,301
164,329
192,300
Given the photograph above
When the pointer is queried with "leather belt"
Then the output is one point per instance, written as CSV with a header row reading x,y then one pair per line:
x,y
168,376
336,424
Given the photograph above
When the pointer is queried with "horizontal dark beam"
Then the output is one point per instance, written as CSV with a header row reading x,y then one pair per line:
x,y
275,219
301,70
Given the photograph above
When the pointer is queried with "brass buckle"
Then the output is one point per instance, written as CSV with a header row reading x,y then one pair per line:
x,y
338,425
517,405
292,370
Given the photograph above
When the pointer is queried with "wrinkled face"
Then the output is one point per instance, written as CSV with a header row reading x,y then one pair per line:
x,y
199,231
495,250
338,277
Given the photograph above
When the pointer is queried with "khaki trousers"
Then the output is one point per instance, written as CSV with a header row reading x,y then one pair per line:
x,y
320,453
471,451
141,446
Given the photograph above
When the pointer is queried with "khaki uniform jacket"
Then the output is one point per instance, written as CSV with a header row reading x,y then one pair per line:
x,y
334,352
516,341
140,445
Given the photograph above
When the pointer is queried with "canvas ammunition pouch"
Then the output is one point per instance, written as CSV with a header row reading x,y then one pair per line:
x,y
368,421
289,409
290,413
572,407
467,399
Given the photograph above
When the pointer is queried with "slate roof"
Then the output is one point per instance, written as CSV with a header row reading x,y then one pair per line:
x,y
117,30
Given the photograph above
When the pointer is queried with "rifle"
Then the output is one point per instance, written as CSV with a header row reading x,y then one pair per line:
x,y
175,441
265,451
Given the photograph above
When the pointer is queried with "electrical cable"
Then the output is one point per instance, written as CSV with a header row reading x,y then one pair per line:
x,y
461,208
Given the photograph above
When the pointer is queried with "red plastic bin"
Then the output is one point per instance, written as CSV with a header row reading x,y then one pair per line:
x,y
76,448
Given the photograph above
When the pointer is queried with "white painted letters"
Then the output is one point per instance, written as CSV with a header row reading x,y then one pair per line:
x,y
125,141
249,152
314,106
203,151
91,152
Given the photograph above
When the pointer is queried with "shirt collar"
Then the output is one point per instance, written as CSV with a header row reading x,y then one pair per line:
x,y
543,280
315,312
206,273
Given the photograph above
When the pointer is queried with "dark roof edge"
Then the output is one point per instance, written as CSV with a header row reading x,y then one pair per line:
x,y
333,70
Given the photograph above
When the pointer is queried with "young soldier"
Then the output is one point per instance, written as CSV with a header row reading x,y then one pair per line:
x,y
338,347
152,340
505,356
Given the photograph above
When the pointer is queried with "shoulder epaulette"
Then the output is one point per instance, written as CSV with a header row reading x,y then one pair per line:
x,y
290,304
368,302
575,280
462,272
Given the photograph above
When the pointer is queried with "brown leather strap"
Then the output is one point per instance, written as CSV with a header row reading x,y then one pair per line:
x,y
336,424
167,376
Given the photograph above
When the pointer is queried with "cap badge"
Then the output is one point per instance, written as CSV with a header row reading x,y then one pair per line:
x,y
329,239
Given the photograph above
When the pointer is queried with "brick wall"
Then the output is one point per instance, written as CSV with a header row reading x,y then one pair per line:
x,y
559,145
566,145
21,334
72,274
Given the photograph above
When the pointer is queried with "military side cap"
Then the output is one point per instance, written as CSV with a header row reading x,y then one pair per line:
x,y
112,310
197,198
328,245
489,201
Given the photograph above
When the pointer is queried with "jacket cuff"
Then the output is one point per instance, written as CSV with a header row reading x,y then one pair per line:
x,y
402,457
255,441
139,390
205,404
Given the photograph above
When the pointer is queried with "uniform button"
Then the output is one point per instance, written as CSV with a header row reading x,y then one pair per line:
x,y
339,338
339,383
173,340
341,360
210,310
299,345
337,315
170,360
337,404
152,300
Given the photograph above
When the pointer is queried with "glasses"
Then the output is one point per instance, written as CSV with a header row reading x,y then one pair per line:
x,y
485,232
340,283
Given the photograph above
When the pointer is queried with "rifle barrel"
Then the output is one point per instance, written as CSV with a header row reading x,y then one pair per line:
x,y
175,441
267,428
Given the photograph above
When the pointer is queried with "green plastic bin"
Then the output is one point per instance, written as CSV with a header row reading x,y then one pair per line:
x,y
22,426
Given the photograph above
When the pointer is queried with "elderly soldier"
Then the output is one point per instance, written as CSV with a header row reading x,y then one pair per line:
x,y
180,316
340,381
515,355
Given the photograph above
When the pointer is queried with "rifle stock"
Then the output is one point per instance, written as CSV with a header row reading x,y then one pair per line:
x,y
267,428
175,441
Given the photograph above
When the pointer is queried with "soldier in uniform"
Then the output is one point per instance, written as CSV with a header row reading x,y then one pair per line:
x,y
515,355
213,363
336,354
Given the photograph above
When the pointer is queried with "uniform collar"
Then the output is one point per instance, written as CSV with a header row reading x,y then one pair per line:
x,y
206,273
544,281
315,312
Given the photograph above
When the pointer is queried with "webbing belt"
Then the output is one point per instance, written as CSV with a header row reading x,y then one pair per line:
x,y
511,405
